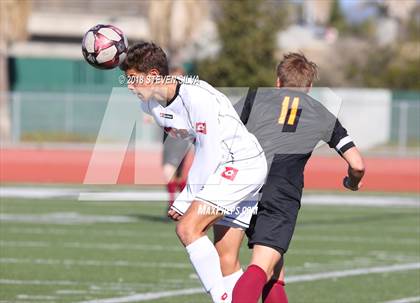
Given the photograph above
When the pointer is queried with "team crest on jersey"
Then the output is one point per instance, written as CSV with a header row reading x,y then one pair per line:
x,y
166,116
229,173
201,127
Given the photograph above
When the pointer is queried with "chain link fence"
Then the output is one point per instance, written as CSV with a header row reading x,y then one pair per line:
x,y
64,117
75,117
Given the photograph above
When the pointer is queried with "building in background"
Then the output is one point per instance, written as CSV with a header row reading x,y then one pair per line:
x,y
13,28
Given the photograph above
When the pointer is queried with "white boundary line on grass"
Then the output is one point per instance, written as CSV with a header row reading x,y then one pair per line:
x,y
95,263
353,272
293,279
66,218
405,300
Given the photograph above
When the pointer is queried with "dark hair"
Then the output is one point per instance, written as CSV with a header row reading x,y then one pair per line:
x,y
296,71
144,57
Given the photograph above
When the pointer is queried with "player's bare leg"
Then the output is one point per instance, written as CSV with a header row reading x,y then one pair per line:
x,y
168,171
194,224
227,241
191,230
266,258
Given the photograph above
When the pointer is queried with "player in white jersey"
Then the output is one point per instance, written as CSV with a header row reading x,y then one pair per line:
x,y
228,170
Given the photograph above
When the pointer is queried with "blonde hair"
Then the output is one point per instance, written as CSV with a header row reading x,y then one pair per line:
x,y
295,70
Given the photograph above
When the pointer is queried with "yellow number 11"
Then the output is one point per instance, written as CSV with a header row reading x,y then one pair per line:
x,y
285,109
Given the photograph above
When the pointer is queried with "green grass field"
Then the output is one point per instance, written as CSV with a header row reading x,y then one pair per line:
x,y
69,251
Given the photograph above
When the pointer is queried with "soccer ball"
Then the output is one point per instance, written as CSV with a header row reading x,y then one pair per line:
x,y
104,46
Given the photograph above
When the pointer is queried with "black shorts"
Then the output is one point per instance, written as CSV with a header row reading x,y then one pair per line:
x,y
275,221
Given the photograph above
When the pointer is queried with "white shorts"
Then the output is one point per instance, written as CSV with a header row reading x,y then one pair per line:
x,y
232,189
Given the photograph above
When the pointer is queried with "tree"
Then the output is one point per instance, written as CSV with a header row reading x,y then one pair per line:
x,y
247,31
337,18
385,67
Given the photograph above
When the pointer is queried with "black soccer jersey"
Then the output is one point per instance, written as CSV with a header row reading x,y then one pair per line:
x,y
289,124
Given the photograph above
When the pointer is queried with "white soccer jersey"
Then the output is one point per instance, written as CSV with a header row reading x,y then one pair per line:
x,y
201,112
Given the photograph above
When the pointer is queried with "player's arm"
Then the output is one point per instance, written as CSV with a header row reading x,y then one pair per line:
x,y
344,145
356,169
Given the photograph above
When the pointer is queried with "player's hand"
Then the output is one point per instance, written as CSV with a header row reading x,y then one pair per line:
x,y
174,215
348,184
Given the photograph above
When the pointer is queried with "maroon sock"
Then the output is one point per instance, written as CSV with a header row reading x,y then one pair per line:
x,y
250,285
171,187
274,292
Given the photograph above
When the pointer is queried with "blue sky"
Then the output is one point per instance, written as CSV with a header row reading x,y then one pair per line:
x,y
357,10
354,10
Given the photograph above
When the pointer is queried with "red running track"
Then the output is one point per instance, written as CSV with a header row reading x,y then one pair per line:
x,y
70,166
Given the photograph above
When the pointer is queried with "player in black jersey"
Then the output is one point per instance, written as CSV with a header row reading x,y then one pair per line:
x,y
289,124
